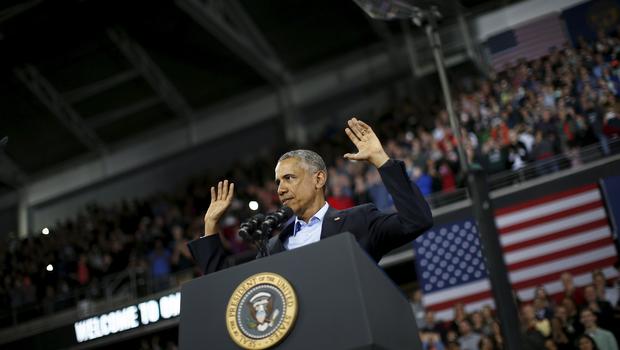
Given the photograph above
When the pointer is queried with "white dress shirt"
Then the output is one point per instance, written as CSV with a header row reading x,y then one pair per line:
x,y
306,233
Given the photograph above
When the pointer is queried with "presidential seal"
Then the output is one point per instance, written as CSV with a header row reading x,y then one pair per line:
x,y
261,311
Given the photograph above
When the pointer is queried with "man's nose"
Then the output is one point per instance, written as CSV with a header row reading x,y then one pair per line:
x,y
282,189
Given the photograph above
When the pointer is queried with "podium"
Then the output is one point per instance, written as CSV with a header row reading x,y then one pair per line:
x,y
344,301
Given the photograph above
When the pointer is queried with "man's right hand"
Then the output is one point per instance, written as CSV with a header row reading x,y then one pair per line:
x,y
220,201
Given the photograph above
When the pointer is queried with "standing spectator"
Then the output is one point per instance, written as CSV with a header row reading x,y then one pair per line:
x,y
82,272
595,117
603,292
159,260
562,330
431,325
585,342
601,308
533,337
542,303
431,341
422,180
377,190
542,153
469,340
603,338
569,290
181,258
418,308
338,198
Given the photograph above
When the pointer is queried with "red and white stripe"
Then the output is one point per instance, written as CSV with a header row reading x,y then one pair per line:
x,y
534,39
541,239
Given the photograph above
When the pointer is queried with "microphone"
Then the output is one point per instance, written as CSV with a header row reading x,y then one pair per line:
x,y
248,228
276,219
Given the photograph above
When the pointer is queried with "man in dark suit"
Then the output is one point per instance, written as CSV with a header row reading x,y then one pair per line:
x,y
301,177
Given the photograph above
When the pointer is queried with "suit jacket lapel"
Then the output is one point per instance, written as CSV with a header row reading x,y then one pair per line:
x,y
332,223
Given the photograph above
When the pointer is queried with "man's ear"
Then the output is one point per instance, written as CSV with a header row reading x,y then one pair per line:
x,y
321,179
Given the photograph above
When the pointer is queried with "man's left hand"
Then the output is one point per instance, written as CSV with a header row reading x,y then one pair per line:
x,y
368,145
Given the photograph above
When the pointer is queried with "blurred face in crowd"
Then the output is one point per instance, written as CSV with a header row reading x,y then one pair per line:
x,y
464,328
298,187
599,279
589,293
527,313
487,312
486,344
459,311
588,319
550,345
429,318
567,280
585,344
541,293
477,320
560,312
569,305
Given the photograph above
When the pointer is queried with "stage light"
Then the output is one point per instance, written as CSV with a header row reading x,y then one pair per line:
x,y
253,205
45,231
49,267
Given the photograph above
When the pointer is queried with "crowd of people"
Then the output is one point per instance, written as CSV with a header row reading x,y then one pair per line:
x,y
542,111
583,318
532,111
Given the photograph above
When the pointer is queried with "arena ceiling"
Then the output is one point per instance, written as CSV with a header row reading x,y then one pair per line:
x,y
78,77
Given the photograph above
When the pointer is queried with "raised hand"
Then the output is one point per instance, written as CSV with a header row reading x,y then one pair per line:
x,y
220,201
368,145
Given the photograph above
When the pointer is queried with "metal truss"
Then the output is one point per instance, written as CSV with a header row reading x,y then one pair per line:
x,y
15,10
53,100
108,117
229,22
100,86
151,73
10,173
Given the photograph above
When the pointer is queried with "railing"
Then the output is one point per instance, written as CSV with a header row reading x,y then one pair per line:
x,y
121,287
135,283
531,171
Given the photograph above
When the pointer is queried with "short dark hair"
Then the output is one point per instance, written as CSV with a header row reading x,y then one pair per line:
x,y
311,159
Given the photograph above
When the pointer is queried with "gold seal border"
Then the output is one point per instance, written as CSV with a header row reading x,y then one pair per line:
x,y
288,317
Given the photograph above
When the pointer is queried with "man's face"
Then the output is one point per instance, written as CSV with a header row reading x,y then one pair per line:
x,y
588,319
589,293
297,186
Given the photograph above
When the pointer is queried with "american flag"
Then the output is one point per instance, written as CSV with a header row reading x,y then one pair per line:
x,y
529,41
540,238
